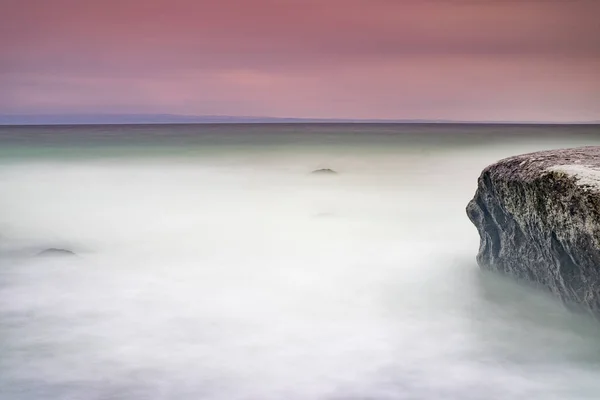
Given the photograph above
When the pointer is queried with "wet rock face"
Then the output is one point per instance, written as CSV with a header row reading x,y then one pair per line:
x,y
538,217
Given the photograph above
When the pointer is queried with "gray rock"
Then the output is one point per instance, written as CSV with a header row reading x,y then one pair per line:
x,y
324,171
55,252
538,217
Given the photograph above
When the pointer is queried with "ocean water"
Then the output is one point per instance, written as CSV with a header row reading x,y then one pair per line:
x,y
212,265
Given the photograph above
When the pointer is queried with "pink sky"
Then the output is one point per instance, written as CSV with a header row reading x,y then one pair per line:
x,y
392,59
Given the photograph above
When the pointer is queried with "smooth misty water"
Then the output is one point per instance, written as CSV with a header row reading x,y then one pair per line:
x,y
212,265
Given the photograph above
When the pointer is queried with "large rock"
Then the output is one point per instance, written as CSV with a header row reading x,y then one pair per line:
x,y
538,216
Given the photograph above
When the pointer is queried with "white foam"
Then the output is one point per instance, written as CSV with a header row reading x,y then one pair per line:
x,y
222,283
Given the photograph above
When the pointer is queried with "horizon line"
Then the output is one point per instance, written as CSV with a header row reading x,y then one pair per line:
x,y
181,119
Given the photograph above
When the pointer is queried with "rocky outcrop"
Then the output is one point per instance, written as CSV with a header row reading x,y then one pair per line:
x,y
538,217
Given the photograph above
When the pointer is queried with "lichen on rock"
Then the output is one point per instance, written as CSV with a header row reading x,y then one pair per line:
x,y
538,217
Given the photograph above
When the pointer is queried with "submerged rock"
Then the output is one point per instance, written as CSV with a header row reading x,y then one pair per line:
x,y
55,252
324,171
324,214
538,217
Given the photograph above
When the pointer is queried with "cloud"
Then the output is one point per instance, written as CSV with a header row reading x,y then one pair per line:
x,y
110,34
346,58
423,87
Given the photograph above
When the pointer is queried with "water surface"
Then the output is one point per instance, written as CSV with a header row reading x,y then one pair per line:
x,y
212,265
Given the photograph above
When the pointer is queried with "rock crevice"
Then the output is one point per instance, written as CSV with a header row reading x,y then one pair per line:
x,y
538,217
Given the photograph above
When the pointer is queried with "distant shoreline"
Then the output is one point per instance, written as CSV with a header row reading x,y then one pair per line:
x,y
66,124
168,119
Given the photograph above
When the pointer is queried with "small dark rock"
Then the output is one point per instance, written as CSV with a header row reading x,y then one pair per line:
x,y
55,252
324,171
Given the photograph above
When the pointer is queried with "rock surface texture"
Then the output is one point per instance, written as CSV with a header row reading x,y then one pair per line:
x,y
538,217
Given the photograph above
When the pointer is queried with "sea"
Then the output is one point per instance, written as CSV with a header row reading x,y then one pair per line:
x,y
211,264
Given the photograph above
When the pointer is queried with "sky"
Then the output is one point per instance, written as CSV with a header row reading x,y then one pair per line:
x,y
500,60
